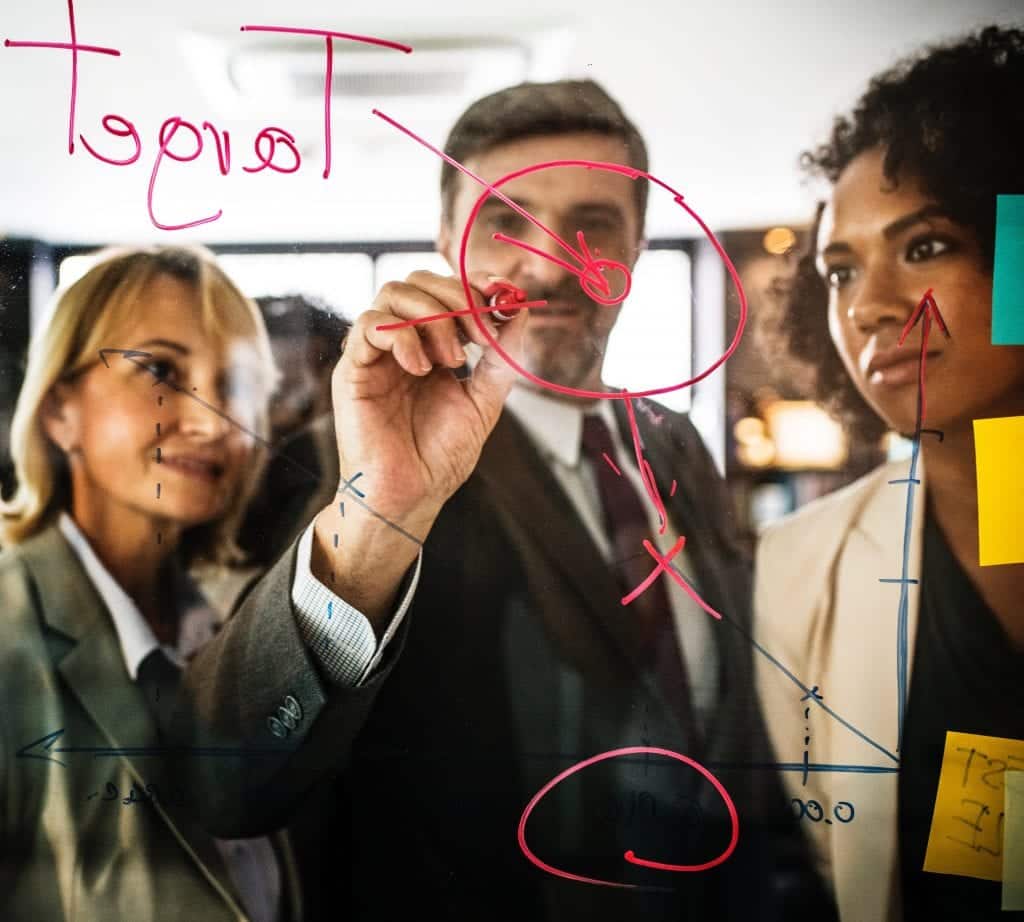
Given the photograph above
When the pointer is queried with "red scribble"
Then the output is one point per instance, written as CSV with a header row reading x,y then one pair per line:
x,y
672,491
223,152
646,474
328,37
589,275
74,48
630,855
492,189
663,566
926,308
267,160
611,463
665,563
174,123
127,132
590,269
474,311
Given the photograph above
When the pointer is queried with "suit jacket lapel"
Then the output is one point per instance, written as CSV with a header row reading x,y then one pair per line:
x,y
94,670
527,495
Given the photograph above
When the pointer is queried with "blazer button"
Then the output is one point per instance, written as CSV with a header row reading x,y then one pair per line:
x,y
293,706
277,728
286,718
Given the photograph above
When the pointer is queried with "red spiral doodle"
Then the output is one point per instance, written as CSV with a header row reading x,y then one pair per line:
x,y
591,272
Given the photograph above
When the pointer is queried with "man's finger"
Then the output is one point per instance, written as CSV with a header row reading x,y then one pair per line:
x,y
367,343
493,377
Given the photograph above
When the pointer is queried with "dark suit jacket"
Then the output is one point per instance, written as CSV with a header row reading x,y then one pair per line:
x,y
519,663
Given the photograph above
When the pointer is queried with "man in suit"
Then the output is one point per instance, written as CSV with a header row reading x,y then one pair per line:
x,y
517,546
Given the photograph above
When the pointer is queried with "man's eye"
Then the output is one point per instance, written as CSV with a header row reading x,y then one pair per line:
x,y
506,222
926,248
599,227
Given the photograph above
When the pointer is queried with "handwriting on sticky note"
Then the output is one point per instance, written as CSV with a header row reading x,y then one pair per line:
x,y
998,447
966,837
1013,842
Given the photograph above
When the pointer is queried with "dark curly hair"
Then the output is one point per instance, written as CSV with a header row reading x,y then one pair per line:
x,y
951,116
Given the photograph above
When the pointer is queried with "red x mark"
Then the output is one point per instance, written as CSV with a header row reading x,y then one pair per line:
x,y
665,565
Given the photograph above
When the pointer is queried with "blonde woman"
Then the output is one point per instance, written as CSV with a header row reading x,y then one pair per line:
x,y
137,438
915,171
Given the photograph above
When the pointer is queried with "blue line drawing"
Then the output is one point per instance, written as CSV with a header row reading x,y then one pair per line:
x,y
923,313
810,692
43,747
133,354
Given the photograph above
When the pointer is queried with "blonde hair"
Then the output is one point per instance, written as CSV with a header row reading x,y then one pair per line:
x,y
86,318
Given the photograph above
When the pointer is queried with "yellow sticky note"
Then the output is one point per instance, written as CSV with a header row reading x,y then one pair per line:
x,y
1013,843
998,448
966,837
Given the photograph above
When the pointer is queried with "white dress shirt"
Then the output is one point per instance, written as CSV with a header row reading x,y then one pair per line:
x,y
339,636
556,428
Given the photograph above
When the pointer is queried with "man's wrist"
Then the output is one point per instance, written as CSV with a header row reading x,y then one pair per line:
x,y
364,558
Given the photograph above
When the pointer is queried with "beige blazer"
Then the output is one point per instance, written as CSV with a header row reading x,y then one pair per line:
x,y
822,612
68,849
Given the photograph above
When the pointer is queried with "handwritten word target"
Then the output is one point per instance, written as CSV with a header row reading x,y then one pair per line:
x,y
189,137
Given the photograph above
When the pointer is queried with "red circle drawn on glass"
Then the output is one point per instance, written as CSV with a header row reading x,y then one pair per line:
x,y
592,280
630,856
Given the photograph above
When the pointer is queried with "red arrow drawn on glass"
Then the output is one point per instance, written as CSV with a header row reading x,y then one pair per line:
x,y
590,268
926,309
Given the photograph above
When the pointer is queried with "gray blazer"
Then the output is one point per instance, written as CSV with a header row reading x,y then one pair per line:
x,y
94,825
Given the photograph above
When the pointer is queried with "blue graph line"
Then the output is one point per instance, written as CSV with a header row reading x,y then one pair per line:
x,y
904,581
132,354
44,749
922,315
809,767
806,689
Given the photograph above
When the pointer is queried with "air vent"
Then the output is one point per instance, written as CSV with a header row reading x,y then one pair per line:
x,y
437,68
376,85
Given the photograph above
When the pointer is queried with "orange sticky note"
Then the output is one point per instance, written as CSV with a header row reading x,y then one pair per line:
x,y
966,836
998,449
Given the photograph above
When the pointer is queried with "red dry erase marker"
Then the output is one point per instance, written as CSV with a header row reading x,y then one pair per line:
x,y
506,295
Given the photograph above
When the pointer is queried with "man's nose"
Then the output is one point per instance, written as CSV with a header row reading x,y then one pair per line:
x,y
546,264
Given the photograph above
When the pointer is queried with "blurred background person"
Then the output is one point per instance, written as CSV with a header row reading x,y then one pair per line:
x,y
305,338
915,171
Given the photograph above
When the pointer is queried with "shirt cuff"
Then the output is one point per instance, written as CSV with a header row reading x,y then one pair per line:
x,y
339,636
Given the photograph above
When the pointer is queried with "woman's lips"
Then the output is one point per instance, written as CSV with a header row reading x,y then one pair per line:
x,y
902,372
209,471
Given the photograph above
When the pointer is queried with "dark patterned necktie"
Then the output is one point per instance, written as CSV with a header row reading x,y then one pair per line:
x,y
626,526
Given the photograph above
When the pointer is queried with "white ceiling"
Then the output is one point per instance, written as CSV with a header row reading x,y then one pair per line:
x,y
727,94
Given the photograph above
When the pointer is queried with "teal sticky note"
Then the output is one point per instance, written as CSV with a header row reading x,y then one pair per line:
x,y
1008,272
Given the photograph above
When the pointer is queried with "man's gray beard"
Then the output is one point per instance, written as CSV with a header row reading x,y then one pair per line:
x,y
564,359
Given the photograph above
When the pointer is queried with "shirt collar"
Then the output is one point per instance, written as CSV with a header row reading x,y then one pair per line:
x,y
133,633
556,425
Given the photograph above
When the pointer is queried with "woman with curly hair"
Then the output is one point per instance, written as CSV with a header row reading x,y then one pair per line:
x,y
914,173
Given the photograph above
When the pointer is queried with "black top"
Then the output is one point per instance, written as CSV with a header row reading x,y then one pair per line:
x,y
967,677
